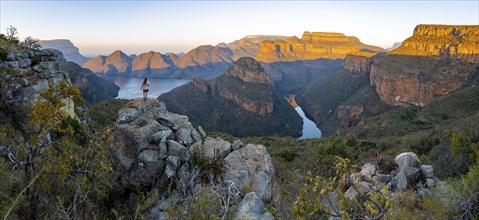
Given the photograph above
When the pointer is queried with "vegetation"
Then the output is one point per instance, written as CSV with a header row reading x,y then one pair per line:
x,y
10,42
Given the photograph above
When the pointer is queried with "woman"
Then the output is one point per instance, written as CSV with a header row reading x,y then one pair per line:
x,y
145,87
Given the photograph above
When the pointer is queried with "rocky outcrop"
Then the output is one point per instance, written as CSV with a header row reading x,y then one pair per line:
x,y
239,102
155,144
252,166
70,51
402,80
446,41
248,70
24,75
358,63
251,73
251,207
410,175
312,45
158,146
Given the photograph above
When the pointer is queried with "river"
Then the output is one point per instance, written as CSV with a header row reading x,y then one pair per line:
x,y
130,87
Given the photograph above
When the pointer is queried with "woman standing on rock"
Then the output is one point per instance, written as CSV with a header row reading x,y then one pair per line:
x,y
145,87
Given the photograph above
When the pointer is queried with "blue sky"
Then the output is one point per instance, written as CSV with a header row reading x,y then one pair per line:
x,y
100,27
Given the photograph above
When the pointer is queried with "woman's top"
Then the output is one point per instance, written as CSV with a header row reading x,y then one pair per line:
x,y
145,86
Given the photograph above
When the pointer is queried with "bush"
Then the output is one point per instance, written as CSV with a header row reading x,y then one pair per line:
x,y
286,154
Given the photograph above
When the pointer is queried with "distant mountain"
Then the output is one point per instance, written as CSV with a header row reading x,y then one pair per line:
x,y
240,102
117,62
436,61
208,61
69,50
312,45
395,46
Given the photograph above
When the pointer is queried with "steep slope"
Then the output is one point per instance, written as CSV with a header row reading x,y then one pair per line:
x,y
116,62
340,99
239,102
93,88
435,61
312,45
70,51
29,72
446,41
403,80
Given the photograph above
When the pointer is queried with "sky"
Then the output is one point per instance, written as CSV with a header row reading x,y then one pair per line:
x,y
103,26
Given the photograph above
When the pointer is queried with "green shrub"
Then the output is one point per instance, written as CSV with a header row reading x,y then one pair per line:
x,y
286,154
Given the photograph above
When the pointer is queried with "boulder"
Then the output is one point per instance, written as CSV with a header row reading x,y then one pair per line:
x,y
210,145
184,136
11,56
251,207
177,149
237,145
127,115
399,181
172,164
251,165
427,171
367,172
267,216
408,159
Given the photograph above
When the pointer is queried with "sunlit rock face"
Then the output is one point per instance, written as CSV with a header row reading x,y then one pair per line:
x,y
446,41
312,45
435,61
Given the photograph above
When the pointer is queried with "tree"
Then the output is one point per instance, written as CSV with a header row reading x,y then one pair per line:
x,y
63,164
31,43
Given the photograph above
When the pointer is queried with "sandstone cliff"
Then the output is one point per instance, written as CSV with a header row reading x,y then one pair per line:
x,y
416,80
435,61
240,102
358,63
70,51
312,46
446,41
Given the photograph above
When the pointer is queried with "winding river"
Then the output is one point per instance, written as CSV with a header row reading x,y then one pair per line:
x,y
130,87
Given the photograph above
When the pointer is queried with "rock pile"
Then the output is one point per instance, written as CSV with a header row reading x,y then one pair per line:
x,y
158,147
410,175
25,74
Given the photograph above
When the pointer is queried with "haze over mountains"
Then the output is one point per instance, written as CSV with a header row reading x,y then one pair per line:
x,y
70,51
207,61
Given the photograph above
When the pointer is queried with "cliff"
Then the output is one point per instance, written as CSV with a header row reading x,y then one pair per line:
x,y
358,63
70,51
416,80
26,73
312,45
239,102
340,99
446,41
435,61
